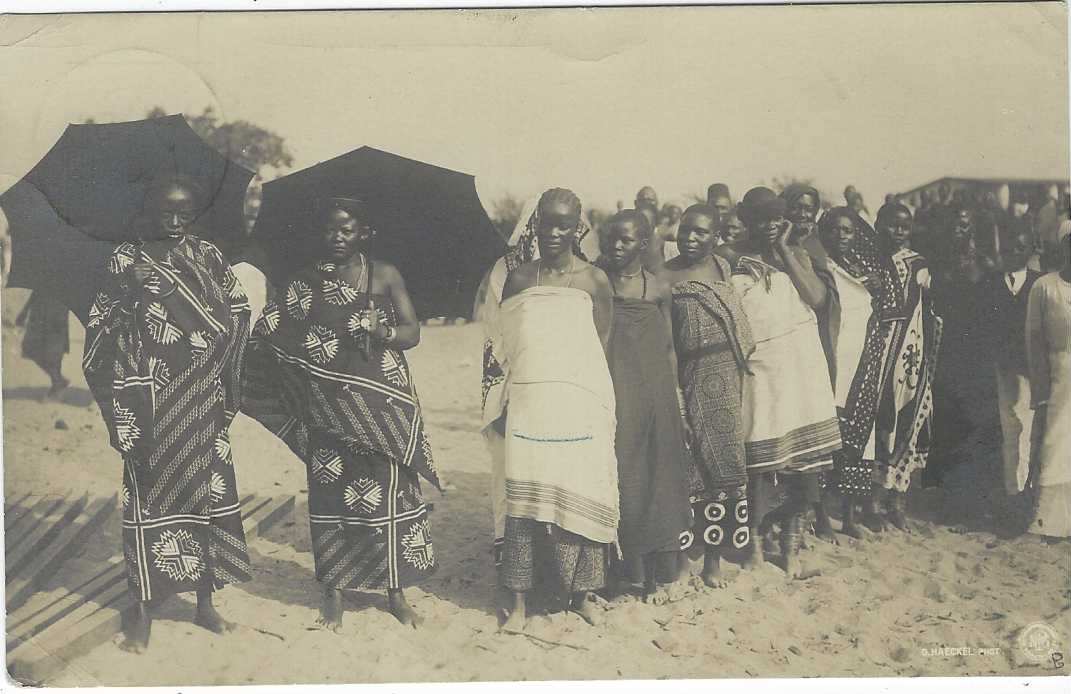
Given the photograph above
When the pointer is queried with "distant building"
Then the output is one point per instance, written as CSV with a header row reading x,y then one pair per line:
x,y
1029,188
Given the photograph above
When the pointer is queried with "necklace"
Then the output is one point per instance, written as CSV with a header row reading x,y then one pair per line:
x,y
635,274
539,271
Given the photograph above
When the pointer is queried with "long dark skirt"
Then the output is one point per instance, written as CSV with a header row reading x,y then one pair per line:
x,y
47,332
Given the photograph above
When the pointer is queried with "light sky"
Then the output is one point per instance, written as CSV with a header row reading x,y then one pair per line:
x,y
602,101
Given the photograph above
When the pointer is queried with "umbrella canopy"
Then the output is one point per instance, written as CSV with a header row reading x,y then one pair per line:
x,y
96,177
49,255
429,221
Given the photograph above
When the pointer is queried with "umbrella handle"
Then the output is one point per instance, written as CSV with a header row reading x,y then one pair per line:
x,y
366,341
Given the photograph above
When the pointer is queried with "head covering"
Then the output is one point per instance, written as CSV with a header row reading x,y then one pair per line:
x,y
523,246
889,209
866,259
795,191
759,205
718,189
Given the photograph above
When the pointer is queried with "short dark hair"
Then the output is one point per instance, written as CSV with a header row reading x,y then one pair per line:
x,y
703,209
632,216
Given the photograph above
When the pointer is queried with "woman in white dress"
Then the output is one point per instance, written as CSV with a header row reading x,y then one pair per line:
x,y
1048,346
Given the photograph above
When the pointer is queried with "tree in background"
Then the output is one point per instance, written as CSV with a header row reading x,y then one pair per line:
x,y
505,213
250,145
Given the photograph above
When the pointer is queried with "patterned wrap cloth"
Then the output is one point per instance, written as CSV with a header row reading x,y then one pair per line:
x,y
163,361
713,341
355,421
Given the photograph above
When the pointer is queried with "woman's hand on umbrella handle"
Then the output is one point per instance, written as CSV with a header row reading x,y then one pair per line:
x,y
142,270
372,316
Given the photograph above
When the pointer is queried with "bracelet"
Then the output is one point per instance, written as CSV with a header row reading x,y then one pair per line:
x,y
389,337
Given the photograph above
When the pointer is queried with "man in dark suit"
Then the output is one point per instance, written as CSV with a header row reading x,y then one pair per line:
x,y
1007,289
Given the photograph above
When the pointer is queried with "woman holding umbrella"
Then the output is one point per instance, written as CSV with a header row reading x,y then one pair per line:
x,y
326,373
164,341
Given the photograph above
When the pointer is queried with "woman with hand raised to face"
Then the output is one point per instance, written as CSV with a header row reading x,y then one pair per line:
x,y
790,421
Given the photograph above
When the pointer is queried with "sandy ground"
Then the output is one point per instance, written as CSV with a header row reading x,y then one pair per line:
x,y
876,610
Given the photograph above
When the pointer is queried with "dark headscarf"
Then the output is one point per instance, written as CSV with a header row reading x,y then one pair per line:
x,y
795,191
760,204
866,259
889,209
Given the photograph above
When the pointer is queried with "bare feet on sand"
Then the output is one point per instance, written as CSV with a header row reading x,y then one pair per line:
x,y
852,529
756,558
711,574
137,630
584,607
518,617
208,618
823,530
331,610
401,609
664,593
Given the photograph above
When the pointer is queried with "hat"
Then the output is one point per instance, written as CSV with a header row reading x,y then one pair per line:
x,y
760,205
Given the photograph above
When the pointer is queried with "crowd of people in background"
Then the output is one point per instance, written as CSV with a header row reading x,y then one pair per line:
x,y
815,354
661,385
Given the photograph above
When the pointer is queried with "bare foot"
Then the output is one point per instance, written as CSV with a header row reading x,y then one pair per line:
x,y
793,567
515,623
655,594
712,576
898,520
585,608
873,521
331,610
401,609
136,632
823,530
208,618
755,558
852,530
666,593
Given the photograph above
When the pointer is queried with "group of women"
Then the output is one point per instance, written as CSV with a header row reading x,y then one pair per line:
x,y
170,360
801,355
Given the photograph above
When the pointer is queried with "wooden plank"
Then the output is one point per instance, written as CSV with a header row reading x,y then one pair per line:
x,y
40,528
92,623
38,614
14,510
44,533
96,620
31,618
25,525
44,564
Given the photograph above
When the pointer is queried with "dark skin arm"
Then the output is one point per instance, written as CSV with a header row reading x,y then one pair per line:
x,y
388,281
798,266
664,293
602,297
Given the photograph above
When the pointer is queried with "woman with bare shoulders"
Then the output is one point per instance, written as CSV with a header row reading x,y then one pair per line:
x,y
652,461
326,372
713,342
557,418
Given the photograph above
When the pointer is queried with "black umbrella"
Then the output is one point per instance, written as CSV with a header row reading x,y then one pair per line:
x,y
49,255
429,223
97,174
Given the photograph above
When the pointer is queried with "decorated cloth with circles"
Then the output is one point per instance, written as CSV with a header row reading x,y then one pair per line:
x,y
713,342
355,419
